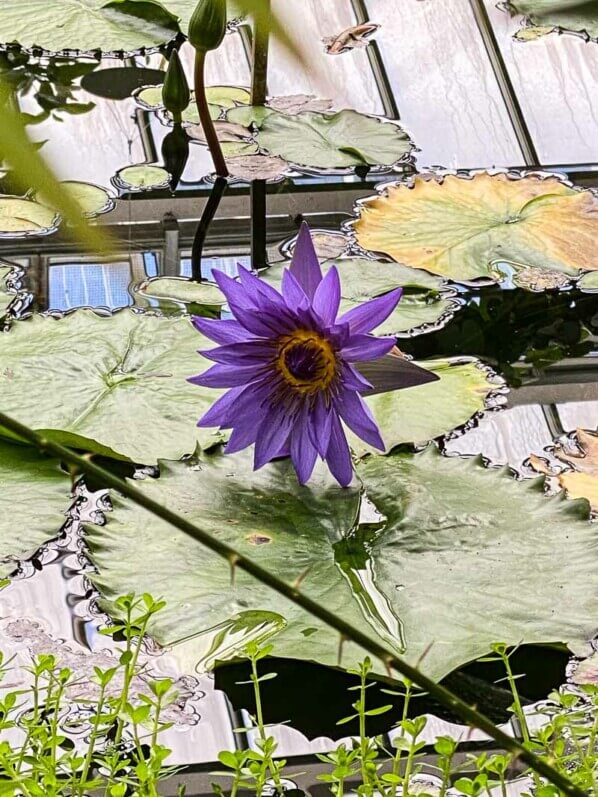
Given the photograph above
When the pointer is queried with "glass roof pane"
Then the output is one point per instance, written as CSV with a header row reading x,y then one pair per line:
x,y
556,80
444,86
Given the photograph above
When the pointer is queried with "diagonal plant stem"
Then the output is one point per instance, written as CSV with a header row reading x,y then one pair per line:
x,y
84,465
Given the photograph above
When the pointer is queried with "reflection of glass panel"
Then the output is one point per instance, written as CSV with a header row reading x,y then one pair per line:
x,y
89,285
209,264
150,262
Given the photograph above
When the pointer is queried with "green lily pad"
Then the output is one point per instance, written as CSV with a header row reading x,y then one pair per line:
x,y
183,290
247,115
588,282
266,515
424,303
34,496
459,226
330,141
184,10
149,97
455,543
469,556
220,98
92,199
142,177
21,218
423,413
235,149
121,381
569,15
227,96
84,25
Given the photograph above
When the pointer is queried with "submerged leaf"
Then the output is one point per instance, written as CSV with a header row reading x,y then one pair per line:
x,y
122,383
34,496
460,226
6,297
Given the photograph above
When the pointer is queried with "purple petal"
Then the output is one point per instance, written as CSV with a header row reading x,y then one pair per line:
x,y
221,330
218,413
252,352
226,376
338,455
239,405
264,295
303,454
327,297
241,437
234,292
293,293
363,348
305,266
371,314
321,425
356,414
272,435
258,315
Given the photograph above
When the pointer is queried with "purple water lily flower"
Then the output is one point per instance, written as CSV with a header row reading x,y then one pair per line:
x,y
290,365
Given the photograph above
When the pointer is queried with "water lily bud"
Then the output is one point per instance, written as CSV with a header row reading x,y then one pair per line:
x,y
175,154
175,91
208,25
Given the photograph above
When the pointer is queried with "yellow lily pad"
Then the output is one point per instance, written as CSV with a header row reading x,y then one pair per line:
x,y
459,227
580,479
142,177
20,218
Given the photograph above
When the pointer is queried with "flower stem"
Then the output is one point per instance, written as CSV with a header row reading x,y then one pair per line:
x,y
445,697
204,115
261,43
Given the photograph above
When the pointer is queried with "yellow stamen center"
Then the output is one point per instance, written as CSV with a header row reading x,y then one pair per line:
x,y
306,361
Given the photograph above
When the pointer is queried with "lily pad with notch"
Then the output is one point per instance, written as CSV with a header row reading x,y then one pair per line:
x,y
459,226
443,551
341,140
184,292
122,383
87,25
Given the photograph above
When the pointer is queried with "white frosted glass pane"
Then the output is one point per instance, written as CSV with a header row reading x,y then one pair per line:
x,y
556,81
443,83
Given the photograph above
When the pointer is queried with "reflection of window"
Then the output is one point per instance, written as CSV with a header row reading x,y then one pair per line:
x,y
92,283
227,264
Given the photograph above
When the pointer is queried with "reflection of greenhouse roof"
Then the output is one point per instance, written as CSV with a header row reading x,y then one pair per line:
x,y
468,93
